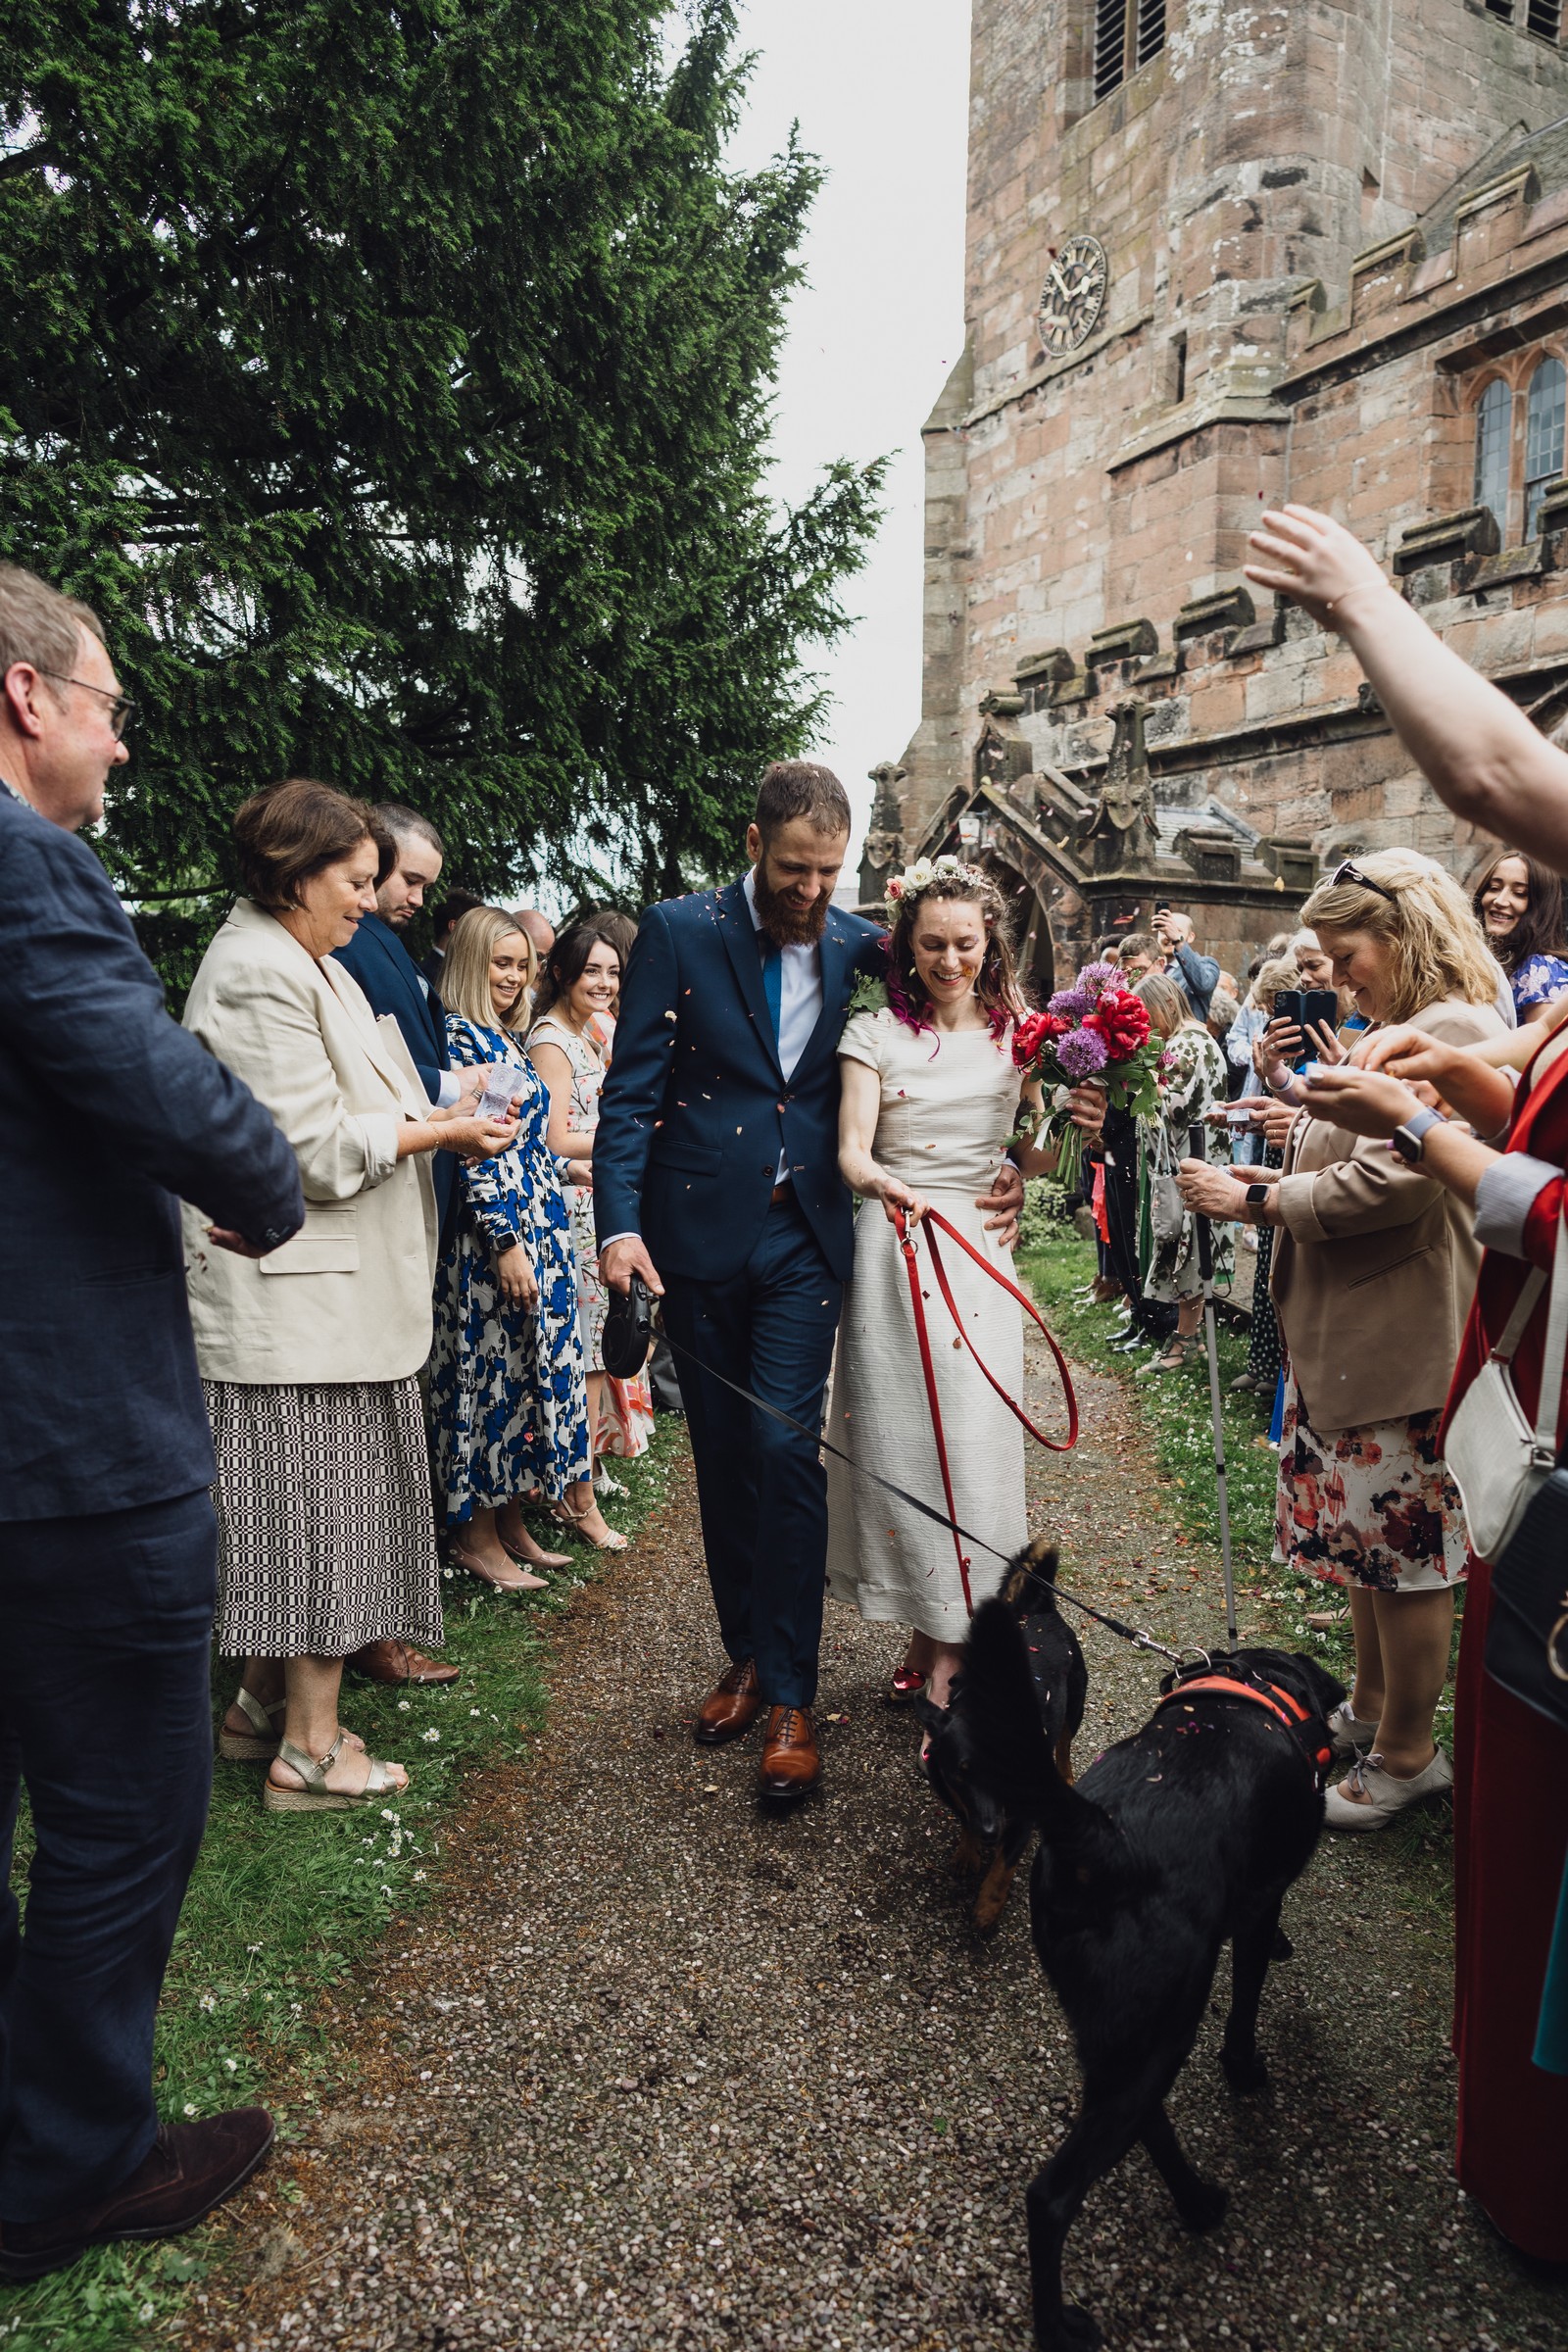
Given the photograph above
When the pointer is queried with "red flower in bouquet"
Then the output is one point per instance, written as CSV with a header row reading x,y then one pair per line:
x,y
1122,1020
1034,1036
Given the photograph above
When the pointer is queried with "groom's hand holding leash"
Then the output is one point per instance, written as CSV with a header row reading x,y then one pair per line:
x,y
620,1260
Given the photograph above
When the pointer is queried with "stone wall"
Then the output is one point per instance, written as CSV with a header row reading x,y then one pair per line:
x,y
1270,331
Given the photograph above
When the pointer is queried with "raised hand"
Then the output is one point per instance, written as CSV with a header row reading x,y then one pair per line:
x,y
1315,561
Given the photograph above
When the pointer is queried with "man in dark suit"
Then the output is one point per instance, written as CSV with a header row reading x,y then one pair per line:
x,y
108,1546
393,984
716,1177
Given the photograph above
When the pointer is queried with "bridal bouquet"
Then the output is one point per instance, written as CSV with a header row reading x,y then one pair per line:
x,y
1094,1033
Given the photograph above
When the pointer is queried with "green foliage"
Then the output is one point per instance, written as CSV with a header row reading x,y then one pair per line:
x,y
394,381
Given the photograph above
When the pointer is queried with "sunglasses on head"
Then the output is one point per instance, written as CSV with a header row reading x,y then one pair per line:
x,y
1348,871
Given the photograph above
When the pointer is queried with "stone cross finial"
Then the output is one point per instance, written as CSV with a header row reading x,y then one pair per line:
x,y
1123,829
883,852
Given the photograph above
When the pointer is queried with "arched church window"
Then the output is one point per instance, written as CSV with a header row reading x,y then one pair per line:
x,y
1494,415
1127,34
1543,438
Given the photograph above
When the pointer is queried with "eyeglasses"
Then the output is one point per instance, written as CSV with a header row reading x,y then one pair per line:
x,y
122,709
1348,871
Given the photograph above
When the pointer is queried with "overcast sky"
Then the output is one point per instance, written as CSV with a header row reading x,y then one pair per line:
x,y
880,90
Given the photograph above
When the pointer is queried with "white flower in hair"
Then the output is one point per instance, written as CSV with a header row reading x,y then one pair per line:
x,y
925,870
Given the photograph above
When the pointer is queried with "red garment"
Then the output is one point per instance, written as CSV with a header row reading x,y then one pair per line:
x,y
1097,1204
1510,1813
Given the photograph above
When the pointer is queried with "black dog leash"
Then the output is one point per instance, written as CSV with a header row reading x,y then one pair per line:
x,y
1112,1625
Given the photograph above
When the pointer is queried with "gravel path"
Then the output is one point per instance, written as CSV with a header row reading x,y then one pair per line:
x,y
658,2073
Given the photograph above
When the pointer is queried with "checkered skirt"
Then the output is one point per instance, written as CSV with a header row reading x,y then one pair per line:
x,y
327,1538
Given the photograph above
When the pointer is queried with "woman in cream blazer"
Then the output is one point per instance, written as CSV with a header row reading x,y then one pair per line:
x,y
310,1356
1374,1269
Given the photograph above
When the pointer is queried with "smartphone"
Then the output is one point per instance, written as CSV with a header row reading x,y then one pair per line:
x,y
1163,906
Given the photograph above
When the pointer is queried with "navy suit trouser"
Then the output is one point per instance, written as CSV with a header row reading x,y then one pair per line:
x,y
105,1637
761,1488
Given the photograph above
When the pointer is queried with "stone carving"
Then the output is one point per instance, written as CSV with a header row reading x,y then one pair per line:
x,y
883,849
1122,833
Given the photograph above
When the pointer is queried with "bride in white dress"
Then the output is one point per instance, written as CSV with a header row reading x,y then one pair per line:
x,y
930,1104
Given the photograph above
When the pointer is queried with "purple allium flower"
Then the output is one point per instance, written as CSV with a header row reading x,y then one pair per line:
x,y
1081,1055
1072,1003
1094,978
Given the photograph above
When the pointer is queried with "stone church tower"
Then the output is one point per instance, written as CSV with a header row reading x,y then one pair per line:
x,y
1219,257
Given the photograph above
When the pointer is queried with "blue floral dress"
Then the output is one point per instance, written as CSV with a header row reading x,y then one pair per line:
x,y
1539,980
509,1403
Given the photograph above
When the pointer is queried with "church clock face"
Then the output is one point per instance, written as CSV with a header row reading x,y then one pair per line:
x,y
1072,299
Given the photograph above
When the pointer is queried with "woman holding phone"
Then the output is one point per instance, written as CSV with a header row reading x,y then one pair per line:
x,y
1370,1249
509,1407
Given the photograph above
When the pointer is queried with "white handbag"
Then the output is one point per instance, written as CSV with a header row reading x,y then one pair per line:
x,y
1495,1458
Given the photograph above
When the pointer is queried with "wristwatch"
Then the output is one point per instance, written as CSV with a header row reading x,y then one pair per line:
x,y
1257,1196
1409,1141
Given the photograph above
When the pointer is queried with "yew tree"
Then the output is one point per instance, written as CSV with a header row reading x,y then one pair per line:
x,y
395,379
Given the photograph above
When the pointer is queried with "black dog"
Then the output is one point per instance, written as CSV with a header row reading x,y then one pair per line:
x,y
992,1836
1182,1835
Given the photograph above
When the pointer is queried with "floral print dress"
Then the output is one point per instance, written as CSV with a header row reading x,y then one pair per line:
x,y
509,1403
1191,1081
1371,1506
1539,980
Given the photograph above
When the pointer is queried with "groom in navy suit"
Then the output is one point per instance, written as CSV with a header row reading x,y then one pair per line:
x,y
716,1177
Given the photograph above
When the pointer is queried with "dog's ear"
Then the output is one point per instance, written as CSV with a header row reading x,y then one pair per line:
x,y
926,1711
1031,1580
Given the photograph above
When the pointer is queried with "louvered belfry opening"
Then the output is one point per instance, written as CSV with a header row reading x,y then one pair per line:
x,y
1110,46
1127,34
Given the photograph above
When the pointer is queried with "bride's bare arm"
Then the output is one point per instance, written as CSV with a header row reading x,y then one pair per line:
x,y
859,1107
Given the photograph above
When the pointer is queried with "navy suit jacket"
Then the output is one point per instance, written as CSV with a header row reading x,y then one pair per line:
x,y
696,1106
393,983
112,1115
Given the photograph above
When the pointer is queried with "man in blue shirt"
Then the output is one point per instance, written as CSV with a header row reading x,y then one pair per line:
x,y
1197,976
393,984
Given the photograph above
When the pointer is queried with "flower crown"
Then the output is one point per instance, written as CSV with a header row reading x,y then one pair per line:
x,y
924,871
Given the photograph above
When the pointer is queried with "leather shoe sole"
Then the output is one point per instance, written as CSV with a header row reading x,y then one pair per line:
x,y
778,1795
719,1735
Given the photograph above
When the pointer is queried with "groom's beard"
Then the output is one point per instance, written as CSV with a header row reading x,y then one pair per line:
x,y
782,921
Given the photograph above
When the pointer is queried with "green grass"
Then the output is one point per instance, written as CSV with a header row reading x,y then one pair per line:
x,y
282,1908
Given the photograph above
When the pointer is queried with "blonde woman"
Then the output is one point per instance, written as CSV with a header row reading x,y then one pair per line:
x,y
1374,1269
509,1407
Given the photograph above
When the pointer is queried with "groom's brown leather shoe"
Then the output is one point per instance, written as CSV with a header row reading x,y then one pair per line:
x,y
731,1707
791,1766
188,2170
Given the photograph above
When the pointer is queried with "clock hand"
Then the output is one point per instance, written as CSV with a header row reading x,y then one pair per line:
x,y
1064,290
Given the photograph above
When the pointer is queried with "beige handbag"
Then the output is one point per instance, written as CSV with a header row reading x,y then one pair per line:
x,y
1495,1458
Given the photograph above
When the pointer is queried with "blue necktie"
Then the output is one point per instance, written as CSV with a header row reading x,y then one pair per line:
x,y
773,982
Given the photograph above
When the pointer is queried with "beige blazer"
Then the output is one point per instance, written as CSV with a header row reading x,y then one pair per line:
x,y
349,1298
1375,1264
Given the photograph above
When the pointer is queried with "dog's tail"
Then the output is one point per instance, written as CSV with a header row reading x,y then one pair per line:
x,y
1010,1756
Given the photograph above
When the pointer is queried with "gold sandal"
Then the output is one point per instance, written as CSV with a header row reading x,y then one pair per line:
x,y
315,1797
257,1745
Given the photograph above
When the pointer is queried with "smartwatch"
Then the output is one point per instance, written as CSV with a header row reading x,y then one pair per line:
x,y
1409,1141
1257,1196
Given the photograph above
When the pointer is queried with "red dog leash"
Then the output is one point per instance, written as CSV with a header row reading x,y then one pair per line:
x,y
933,1219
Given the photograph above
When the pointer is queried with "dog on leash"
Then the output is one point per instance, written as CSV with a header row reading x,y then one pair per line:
x,y
1178,1840
992,1838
